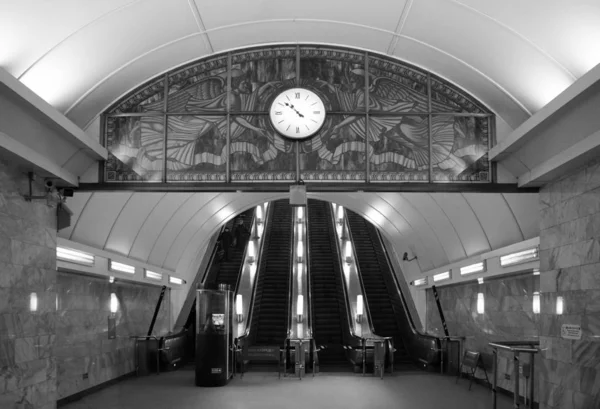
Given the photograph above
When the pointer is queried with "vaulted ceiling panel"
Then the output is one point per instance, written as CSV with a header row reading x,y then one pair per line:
x,y
496,218
76,204
130,221
97,218
155,223
176,223
94,52
526,209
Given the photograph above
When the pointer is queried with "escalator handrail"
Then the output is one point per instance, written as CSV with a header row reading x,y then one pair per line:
x,y
360,280
259,253
409,318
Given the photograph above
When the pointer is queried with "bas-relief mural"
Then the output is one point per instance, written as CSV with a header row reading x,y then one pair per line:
x,y
382,124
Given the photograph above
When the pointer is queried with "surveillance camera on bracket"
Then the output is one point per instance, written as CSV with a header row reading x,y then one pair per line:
x,y
405,257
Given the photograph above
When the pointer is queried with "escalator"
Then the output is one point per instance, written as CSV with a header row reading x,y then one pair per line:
x,y
270,309
328,303
385,304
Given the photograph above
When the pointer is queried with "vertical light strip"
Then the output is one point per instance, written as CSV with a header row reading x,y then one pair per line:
x,y
559,305
480,303
536,302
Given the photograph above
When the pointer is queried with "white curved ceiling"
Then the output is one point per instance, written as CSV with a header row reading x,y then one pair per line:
x,y
80,55
169,230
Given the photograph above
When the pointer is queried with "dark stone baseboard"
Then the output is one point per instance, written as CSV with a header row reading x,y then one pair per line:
x,y
77,396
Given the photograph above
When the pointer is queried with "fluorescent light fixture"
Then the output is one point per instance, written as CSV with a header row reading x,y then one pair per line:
x,y
441,276
480,303
536,302
300,269
153,275
359,307
74,256
473,268
300,251
420,281
176,280
536,272
300,236
122,268
251,251
519,257
33,302
348,250
114,303
300,213
559,305
340,214
480,280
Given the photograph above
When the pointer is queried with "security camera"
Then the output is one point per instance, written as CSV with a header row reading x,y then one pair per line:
x,y
49,184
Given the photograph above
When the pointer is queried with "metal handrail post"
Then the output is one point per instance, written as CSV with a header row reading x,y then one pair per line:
x,y
516,376
364,355
495,370
531,378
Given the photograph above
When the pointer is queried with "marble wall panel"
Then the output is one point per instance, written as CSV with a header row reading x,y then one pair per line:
x,y
27,265
508,316
82,344
570,239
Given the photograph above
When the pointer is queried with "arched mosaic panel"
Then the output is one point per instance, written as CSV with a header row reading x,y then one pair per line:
x,y
387,122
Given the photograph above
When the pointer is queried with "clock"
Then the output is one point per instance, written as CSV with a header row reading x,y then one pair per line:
x,y
297,113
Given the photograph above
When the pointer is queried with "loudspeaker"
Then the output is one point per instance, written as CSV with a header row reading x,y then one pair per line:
x,y
63,216
298,195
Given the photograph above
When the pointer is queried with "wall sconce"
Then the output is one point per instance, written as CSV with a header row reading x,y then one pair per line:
x,y
359,308
33,302
300,307
348,252
114,303
480,303
300,251
559,305
111,279
239,308
536,302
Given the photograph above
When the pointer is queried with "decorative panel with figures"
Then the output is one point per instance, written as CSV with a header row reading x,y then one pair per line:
x,y
387,122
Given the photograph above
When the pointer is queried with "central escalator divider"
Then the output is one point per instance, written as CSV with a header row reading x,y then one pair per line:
x,y
270,315
384,302
329,306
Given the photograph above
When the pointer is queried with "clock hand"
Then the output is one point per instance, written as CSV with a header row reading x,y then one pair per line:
x,y
295,110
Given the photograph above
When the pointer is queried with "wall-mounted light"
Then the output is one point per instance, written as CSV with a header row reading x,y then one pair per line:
x,y
239,307
559,305
480,280
536,302
420,282
480,303
348,251
536,271
300,251
473,268
74,256
111,279
33,302
122,268
176,280
359,308
114,303
519,257
300,307
152,275
441,276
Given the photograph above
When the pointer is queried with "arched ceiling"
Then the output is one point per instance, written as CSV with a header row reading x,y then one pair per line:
x,y
514,56
171,230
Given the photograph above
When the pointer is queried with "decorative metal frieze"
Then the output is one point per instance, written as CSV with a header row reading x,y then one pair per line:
x,y
387,122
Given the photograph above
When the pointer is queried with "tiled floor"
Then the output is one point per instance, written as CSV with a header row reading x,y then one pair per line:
x,y
415,390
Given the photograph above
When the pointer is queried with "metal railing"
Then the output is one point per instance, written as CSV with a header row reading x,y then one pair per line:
x,y
516,347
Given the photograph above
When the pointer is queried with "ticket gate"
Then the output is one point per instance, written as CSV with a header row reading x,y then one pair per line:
x,y
214,337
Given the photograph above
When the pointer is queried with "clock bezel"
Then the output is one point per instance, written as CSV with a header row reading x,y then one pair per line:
x,y
304,138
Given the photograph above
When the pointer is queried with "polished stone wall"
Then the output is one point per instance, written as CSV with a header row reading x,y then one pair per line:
x,y
85,355
570,268
27,265
508,316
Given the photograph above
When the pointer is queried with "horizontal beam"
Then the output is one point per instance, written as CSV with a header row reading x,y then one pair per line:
x,y
311,187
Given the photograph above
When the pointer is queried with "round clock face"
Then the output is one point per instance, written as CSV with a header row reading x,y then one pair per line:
x,y
297,113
